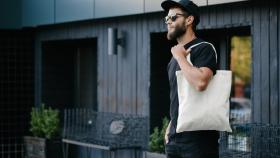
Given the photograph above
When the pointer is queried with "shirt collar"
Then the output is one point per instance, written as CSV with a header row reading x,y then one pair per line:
x,y
192,42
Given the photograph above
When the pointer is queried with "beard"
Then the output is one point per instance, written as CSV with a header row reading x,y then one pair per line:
x,y
179,30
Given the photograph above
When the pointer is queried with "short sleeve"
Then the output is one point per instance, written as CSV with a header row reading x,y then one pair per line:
x,y
205,56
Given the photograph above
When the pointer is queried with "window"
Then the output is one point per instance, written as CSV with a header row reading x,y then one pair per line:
x,y
240,64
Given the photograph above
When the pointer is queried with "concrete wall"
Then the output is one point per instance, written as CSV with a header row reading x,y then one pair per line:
x,y
32,13
36,13
10,14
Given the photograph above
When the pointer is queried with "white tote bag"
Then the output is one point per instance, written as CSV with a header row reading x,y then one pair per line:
x,y
205,110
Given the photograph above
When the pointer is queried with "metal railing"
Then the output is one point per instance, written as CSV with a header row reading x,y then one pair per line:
x,y
111,131
11,148
251,141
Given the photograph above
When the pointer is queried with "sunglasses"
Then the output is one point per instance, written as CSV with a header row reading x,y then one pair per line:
x,y
172,17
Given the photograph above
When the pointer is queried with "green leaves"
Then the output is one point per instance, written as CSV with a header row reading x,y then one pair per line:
x,y
44,122
156,143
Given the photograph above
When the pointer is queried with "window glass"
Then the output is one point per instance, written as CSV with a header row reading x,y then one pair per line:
x,y
240,64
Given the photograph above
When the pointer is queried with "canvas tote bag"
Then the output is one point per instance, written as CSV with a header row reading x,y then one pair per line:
x,y
208,109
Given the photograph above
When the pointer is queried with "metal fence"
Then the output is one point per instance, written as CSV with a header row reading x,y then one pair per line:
x,y
111,130
251,141
12,148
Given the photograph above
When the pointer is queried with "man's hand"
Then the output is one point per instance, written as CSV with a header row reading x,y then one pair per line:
x,y
166,137
167,132
179,52
198,77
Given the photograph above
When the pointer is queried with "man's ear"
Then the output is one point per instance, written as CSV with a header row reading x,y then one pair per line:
x,y
189,20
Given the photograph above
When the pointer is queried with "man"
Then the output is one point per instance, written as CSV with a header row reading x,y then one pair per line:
x,y
181,22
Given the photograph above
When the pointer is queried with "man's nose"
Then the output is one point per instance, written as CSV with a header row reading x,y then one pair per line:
x,y
168,22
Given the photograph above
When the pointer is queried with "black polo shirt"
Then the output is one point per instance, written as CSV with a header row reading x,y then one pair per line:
x,y
202,55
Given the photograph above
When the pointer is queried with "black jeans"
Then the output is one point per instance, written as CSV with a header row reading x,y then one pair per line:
x,y
191,150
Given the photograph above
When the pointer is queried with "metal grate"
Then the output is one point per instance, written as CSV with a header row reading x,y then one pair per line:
x,y
251,141
12,148
16,89
111,130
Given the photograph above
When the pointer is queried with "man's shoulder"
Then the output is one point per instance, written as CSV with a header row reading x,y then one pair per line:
x,y
201,44
202,47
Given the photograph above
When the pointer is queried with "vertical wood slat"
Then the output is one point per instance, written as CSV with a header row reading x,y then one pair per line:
x,y
128,68
235,15
140,61
155,23
103,74
204,19
256,81
106,64
248,14
242,15
162,24
115,81
278,50
145,69
220,15
227,15
123,71
265,64
99,71
120,80
223,53
273,66
135,65
104,70
213,17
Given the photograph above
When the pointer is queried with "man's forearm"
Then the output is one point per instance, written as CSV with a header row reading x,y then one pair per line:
x,y
194,75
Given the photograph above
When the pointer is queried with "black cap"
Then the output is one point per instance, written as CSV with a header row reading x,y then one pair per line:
x,y
186,5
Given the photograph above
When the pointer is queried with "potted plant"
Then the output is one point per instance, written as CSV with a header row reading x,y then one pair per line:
x,y
156,143
45,142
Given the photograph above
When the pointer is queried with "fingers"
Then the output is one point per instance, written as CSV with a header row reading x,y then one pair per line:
x,y
178,48
179,51
166,139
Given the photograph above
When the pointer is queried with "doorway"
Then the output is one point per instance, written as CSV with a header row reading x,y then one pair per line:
x,y
159,89
234,49
69,76
69,73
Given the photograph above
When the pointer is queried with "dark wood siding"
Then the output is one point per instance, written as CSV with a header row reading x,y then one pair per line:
x,y
273,60
265,63
124,79
256,80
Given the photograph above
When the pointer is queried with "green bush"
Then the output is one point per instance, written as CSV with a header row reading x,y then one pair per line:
x,y
44,122
156,143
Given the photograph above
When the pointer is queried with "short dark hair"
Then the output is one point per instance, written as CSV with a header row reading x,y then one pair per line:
x,y
187,15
